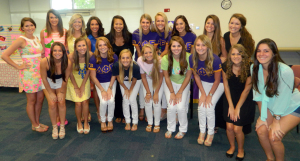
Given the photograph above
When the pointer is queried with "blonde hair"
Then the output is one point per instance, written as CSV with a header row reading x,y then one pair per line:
x,y
110,53
210,57
71,30
155,68
121,68
167,28
147,17
76,55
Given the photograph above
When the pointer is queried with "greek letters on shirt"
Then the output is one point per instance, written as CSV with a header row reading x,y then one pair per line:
x,y
152,42
188,45
161,42
104,69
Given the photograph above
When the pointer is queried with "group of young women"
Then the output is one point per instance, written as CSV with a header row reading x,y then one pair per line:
x,y
68,64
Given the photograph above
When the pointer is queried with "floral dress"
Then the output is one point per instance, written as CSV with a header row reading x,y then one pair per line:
x,y
79,76
54,37
30,79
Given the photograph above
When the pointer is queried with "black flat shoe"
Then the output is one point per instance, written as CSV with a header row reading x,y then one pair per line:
x,y
229,155
240,159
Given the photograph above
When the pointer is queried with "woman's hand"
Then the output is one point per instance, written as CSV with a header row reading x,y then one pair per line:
x,y
178,97
276,130
104,95
208,101
202,100
231,113
109,93
77,92
126,94
172,98
259,123
53,97
60,97
236,114
82,90
147,97
155,98
25,65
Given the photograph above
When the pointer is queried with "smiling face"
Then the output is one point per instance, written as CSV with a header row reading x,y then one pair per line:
x,y
118,25
81,47
28,28
94,26
102,47
53,19
77,25
236,57
57,52
180,25
145,24
160,23
201,48
264,54
210,25
176,48
148,54
126,59
234,25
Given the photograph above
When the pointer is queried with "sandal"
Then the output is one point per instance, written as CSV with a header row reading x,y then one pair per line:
x,y
134,127
179,135
156,129
118,120
80,131
62,132
149,128
89,117
86,131
44,126
54,132
168,134
103,127
127,127
110,126
200,139
39,129
209,140
123,121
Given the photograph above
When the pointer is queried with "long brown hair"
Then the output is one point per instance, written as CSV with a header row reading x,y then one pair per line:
x,y
121,67
246,37
215,40
187,26
76,55
64,61
209,58
88,27
110,53
272,79
155,68
245,64
182,59
59,25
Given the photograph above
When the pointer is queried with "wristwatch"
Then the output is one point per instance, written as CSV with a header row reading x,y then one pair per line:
x,y
277,117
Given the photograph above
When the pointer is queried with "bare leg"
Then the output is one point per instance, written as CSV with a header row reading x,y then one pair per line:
x,y
52,107
30,108
240,138
61,109
230,136
85,112
38,106
78,112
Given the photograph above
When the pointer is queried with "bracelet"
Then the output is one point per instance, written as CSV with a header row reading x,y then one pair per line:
x,y
102,90
172,92
179,93
148,94
110,87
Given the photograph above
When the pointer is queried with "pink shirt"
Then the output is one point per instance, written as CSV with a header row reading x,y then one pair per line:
x,y
146,68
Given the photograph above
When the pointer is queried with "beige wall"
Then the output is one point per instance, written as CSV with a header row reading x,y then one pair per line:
x,y
275,19
4,12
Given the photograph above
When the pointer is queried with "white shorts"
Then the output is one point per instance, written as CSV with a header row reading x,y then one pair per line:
x,y
56,85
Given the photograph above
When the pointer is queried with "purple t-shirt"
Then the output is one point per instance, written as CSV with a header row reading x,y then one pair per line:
x,y
189,39
150,38
162,41
217,67
103,70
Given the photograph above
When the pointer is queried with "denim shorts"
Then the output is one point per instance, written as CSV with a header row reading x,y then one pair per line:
x,y
296,112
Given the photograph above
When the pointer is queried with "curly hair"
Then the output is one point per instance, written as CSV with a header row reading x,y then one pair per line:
x,y
88,26
110,53
245,63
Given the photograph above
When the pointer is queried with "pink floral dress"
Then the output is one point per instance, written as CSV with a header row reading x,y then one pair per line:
x,y
54,37
30,79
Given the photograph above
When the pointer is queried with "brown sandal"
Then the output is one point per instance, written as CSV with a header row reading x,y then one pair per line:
x,y
149,128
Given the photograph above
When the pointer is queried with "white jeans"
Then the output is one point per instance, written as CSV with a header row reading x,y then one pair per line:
x,y
179,108
109,104
209,113
141,96
131,101
156,107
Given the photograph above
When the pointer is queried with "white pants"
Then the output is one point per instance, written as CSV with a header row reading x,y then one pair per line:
x,y
209,113
141,96
156,107
109,104
179,108
131,101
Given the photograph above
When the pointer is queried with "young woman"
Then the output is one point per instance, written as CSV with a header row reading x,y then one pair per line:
x,y
238,34
55,71
54,31
94,30
206,68
101,74
30,80
140,37
181,28
78,88
177,74
152,78
120,38
278,101
238,108
129,78
76,30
